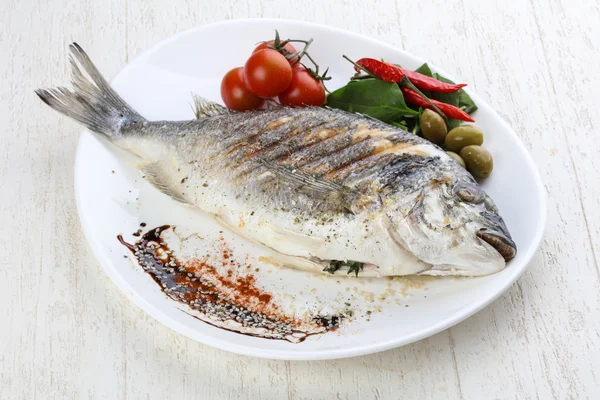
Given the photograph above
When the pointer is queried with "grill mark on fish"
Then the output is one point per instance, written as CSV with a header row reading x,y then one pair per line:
x,y
407,171
231,141
270,145
278,150
294,141
403,137
344,149
317,149
230,130
377,146
240,147
325,151
279,122
262,150
317,135
340,157
406,148
303,146
368,142
263,144
320,150
397,148
291,136
350,172
363,131
283,128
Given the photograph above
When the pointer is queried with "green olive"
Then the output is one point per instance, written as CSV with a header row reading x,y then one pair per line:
x,y
433,127
464,135
457,158
478,160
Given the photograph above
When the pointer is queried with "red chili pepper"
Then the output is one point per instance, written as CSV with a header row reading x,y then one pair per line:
x,y
412,97
427,83
391,73
385,71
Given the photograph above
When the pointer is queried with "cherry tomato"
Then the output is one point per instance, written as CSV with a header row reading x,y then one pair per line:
x,y
304,90
267,73
269,45
236,95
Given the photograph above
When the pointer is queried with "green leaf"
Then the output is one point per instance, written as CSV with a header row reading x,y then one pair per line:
x,y
459,98
400,124
353,266
373,97
425,70
455,99
409,124
333,266
416,129
416,124
453,123
448,98
464,100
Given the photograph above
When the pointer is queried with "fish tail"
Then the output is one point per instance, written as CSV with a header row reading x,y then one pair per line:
x,y
91,101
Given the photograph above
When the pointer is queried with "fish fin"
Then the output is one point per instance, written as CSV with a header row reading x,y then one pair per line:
x,y
91,102
206,108
154,174
330,191
273,105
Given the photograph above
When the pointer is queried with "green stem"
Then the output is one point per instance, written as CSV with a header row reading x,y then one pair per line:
x,y
300,54
360,67
359,77
405,82
277,39
313,61
286,41
415,129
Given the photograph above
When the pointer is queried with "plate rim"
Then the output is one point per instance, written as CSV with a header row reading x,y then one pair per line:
x,y
329,354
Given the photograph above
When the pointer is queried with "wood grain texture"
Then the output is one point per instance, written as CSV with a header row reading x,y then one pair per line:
x,y
67,332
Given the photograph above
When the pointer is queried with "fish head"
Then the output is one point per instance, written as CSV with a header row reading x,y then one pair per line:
x,y
453,225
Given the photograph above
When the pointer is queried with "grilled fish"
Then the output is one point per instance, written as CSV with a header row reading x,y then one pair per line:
x,y
324,190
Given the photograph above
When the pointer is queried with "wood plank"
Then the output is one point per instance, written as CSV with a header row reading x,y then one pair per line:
x,y
68,332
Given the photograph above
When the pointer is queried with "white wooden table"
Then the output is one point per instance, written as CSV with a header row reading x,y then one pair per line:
x,y
67,332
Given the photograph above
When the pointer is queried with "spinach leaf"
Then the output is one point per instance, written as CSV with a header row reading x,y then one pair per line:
x,y
464,100
453,123
373,97
425,70
448,98
459,99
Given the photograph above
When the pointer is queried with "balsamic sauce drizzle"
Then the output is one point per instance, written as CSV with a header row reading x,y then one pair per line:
x,y
226,300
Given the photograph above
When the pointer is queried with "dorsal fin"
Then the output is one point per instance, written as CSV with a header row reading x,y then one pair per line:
x,y
206,108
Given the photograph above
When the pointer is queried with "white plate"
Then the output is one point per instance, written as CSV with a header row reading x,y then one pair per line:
x,y
158,85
